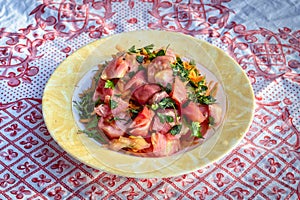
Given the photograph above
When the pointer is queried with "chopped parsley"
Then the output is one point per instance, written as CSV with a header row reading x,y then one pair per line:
x,y
147,51
109,84
206,100
116,119
197,90
161,52
168,89
211,120
132,49
167,103
131,74
179,70
155,106
140,59
175,129
147,48
196,129
165,118
164,103
113,104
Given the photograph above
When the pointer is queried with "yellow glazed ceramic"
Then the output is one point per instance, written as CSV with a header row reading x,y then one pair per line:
x,y
58,115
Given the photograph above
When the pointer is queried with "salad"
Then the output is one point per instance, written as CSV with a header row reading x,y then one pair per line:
x,y
149,102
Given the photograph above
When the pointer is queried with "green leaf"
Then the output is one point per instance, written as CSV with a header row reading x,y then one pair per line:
x,y
167,103
152,56
169,118
192,62
117,119
165,118
202,88
206,100
179,70
161,118
211,120
148,48
92,124
109,84
141,67
178,59
89,133
134,111
161,52
132,49
131,74
140,59
113,104
198,95
196,129
154,106
168,88
175,129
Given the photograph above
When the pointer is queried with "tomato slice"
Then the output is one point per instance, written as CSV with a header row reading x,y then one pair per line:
x,y
164,144
141,124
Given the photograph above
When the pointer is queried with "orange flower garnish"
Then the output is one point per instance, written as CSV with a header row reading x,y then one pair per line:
x,y
195,77
187,66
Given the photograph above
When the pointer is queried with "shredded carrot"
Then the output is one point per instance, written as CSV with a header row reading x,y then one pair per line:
x,y
212,89
119,48
85,120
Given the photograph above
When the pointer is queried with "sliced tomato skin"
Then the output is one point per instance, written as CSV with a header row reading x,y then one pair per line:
x,y
117,68
101,91
111,130
157,97
164,144
163,126
137,80
179,92
194,112
215,111
158,64
164,77
145,92
141,124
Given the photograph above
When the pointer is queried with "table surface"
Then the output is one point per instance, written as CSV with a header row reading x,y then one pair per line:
x,y
262,36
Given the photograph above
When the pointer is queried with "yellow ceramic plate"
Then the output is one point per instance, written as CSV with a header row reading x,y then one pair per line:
x,y
238,104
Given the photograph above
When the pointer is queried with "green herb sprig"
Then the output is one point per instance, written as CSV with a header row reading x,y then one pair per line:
x,y
196,129
109,84
175,129
165,118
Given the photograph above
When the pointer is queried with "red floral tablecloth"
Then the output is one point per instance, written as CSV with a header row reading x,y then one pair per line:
x,y
262,36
